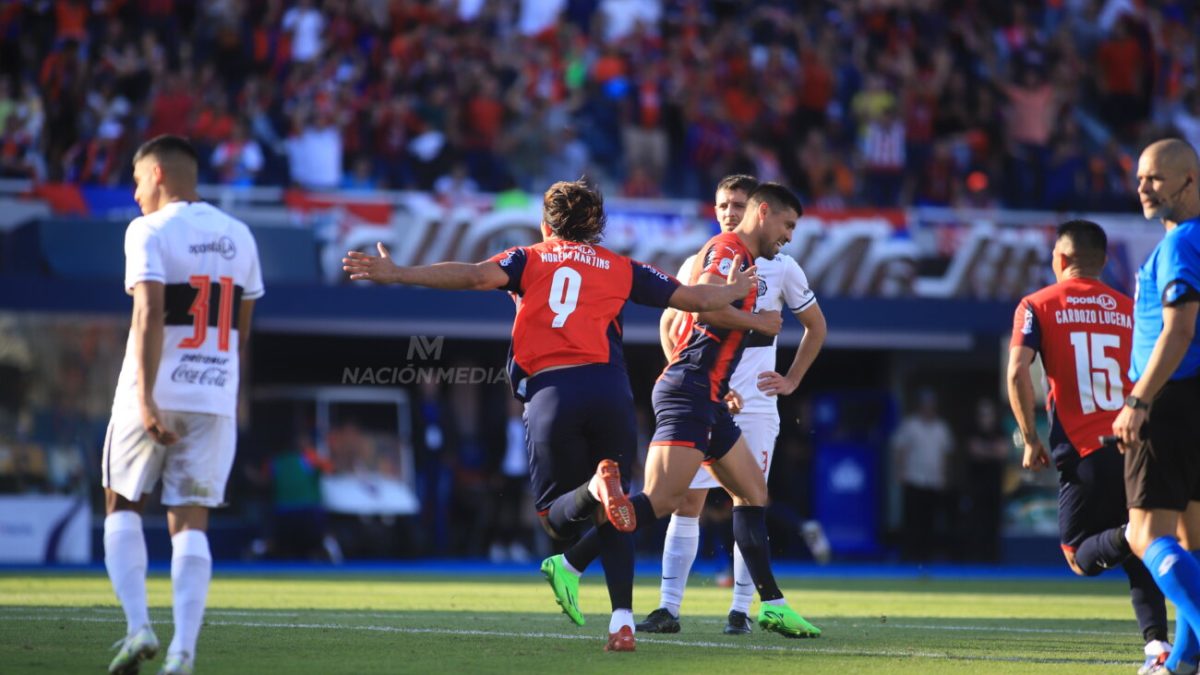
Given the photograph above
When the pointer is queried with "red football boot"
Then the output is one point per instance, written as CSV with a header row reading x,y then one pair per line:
x,y
621,641
617,506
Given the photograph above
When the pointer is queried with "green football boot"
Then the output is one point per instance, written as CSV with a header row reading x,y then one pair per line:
x,y
565,585
785,621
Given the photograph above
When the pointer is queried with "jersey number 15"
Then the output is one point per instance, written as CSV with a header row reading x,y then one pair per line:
x,y
1099,375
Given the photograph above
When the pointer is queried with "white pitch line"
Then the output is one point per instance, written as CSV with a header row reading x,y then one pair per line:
x,y
557,619
829,651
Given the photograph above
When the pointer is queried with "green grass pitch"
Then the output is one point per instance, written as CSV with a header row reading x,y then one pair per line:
x,y
377,623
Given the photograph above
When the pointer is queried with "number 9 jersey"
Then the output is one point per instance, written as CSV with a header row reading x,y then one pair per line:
x,y
1084,332
208,263
569,302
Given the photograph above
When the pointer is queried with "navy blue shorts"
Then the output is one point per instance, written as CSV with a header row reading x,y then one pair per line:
x,y
575,417
1091,492
692,419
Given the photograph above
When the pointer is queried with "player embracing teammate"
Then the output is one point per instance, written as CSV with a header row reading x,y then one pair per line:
x,y
693,427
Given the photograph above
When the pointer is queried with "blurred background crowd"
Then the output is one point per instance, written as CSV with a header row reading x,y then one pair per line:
x,y
854,102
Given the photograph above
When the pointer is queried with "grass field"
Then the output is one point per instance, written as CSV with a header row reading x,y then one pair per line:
x,y
395,623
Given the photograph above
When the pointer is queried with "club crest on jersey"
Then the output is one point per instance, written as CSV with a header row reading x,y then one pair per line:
x,y
725,266
762,287
223,246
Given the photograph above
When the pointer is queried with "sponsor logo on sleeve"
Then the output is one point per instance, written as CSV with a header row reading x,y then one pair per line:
x,y
725,266
1027,326
656,272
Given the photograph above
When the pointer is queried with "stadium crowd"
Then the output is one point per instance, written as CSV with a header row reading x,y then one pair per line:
x,y
853,102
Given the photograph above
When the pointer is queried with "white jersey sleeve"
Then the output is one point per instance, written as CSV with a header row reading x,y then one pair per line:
x,y
143,255
254,288
796,293
685,270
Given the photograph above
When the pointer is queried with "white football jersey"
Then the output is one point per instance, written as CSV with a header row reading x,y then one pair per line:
x,y
208,262
781,283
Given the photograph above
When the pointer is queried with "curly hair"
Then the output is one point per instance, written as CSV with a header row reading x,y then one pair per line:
x,y
574,212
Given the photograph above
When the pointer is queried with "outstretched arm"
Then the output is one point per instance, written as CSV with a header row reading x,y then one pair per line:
x,y
484,276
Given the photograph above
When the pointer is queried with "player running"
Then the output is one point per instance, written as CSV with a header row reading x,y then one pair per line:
x,y
194,275
567,365
693,426
1084,330
781,283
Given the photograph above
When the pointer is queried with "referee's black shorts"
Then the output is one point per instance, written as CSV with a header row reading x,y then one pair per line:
x,y
1164,473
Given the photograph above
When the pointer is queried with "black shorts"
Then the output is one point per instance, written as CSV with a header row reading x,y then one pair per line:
x,y
574,418
1164,473
689,417
1091,493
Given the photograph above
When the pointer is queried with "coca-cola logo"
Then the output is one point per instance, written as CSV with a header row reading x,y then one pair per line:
x,y
1104,300
209,377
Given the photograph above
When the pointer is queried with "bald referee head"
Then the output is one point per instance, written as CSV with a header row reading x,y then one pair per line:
x,y
1169,182
164,171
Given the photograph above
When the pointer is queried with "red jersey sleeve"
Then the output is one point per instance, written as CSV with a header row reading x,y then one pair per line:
x,y
1026,332
717,257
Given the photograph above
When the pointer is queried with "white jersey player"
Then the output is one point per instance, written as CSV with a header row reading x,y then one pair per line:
x,y
754,388
194,275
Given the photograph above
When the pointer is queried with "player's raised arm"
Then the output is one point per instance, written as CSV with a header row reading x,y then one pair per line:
x,y
484,276
713,292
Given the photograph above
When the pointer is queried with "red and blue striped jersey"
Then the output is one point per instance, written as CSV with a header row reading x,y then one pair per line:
x,y
705,356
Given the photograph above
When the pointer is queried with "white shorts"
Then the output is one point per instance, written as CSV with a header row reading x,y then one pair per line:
x,y
760,432
194,469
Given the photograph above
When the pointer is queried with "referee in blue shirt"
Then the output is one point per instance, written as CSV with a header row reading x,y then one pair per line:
x,y
1159,426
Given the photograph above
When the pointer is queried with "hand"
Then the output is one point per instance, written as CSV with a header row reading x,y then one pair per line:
x,y
152,421
734,401
1035,458
769,323
379,269
1128,428
774,384
745,280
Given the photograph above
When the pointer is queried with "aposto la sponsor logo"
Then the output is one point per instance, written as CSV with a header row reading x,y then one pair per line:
x,y
1104,300
223,246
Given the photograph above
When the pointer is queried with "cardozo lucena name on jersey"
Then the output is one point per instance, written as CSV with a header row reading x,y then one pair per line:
x,y
1105,315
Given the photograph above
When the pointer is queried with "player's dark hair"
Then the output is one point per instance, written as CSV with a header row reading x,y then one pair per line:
x,y
574,212
1089,243
775,195
166,147
738,182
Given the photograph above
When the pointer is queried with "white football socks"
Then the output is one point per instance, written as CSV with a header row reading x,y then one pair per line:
x,y
191,570
621,617
743,584
679,552
125,560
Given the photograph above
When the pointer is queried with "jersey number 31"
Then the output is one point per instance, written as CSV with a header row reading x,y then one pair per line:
x,y
200,312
